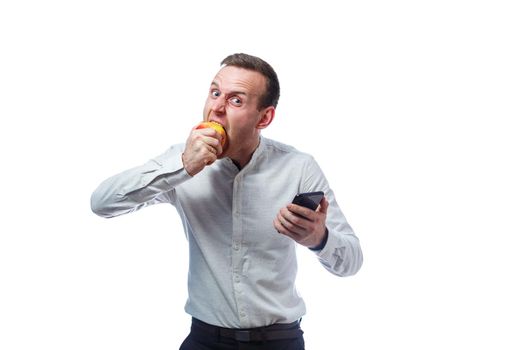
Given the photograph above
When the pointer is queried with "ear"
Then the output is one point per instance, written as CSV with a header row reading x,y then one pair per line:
x,y
266,117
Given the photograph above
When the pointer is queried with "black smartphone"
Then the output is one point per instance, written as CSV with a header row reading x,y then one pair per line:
x,y
309,200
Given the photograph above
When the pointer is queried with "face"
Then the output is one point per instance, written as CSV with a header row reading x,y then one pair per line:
x,y
233,102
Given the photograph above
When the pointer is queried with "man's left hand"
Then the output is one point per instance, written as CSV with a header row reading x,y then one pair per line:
x,y
303,225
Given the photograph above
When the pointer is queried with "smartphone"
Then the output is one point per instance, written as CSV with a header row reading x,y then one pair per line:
x,y
309,200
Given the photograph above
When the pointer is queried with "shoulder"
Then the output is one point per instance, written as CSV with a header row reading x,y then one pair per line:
x,y
293,162
279,149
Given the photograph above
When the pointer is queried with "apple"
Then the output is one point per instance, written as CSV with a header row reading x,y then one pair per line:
x,y
216,126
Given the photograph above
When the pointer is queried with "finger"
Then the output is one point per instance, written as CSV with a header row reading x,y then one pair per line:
x,y
302,211
276,225
298,223
211,149
282,229
208,132
213,142
204,131
283,215
292,222
208,156
323,206
208,139
209,160
206,144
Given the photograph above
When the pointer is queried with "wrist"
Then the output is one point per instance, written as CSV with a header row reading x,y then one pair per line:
x,y
184,164
321,245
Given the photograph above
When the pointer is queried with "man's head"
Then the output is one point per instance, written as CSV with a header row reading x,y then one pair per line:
x,y
242,98
242,60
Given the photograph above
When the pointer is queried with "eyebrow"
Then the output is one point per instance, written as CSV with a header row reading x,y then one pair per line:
x,y
231,92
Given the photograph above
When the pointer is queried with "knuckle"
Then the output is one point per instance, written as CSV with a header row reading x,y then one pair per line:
x,y
304,212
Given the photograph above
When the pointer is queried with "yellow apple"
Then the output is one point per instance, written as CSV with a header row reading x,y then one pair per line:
x,y
216,126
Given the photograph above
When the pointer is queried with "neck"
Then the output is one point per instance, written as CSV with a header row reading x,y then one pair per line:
x,y
245,155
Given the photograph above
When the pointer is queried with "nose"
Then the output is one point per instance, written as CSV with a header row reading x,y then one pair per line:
x,y
219,105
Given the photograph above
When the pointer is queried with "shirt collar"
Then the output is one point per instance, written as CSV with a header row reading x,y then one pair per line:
x,y
256,157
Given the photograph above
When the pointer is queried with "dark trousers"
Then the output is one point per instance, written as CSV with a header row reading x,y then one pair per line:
x,y
208,337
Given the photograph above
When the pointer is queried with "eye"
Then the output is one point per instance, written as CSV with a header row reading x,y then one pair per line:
x,y
215,93
236,101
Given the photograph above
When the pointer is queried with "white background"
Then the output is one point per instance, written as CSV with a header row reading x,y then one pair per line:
x,y
412,108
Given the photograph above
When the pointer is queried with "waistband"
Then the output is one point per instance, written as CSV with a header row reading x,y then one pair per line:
x,y
276,331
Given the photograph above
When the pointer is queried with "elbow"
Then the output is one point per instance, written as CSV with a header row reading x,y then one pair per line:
x,y
109,206
344,258
99,206
353,263
355,266
345,266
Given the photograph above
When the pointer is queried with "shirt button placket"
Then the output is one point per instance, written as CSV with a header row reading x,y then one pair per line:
x,y
237,248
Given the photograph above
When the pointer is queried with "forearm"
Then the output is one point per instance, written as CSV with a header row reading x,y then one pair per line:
x,y
140,186
342,254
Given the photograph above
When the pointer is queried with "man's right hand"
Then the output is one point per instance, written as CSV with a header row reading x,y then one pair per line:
x,y
203,147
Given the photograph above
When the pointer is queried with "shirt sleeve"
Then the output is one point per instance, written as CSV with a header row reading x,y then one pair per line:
x,y
342,253
151,183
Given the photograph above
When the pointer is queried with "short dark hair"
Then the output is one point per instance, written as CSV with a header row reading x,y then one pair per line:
x,y
273,91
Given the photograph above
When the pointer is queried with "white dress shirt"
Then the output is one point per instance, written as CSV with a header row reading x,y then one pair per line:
x,y
242,271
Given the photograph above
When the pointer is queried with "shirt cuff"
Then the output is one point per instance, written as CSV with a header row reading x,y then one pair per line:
x,y
323,243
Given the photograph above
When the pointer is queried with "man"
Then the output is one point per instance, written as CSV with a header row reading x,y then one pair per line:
x,y
234,202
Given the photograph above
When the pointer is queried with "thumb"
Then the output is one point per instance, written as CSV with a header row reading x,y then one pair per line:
x,y
323,206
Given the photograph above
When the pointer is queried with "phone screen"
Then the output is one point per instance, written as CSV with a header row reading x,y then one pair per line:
x,y
309,200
